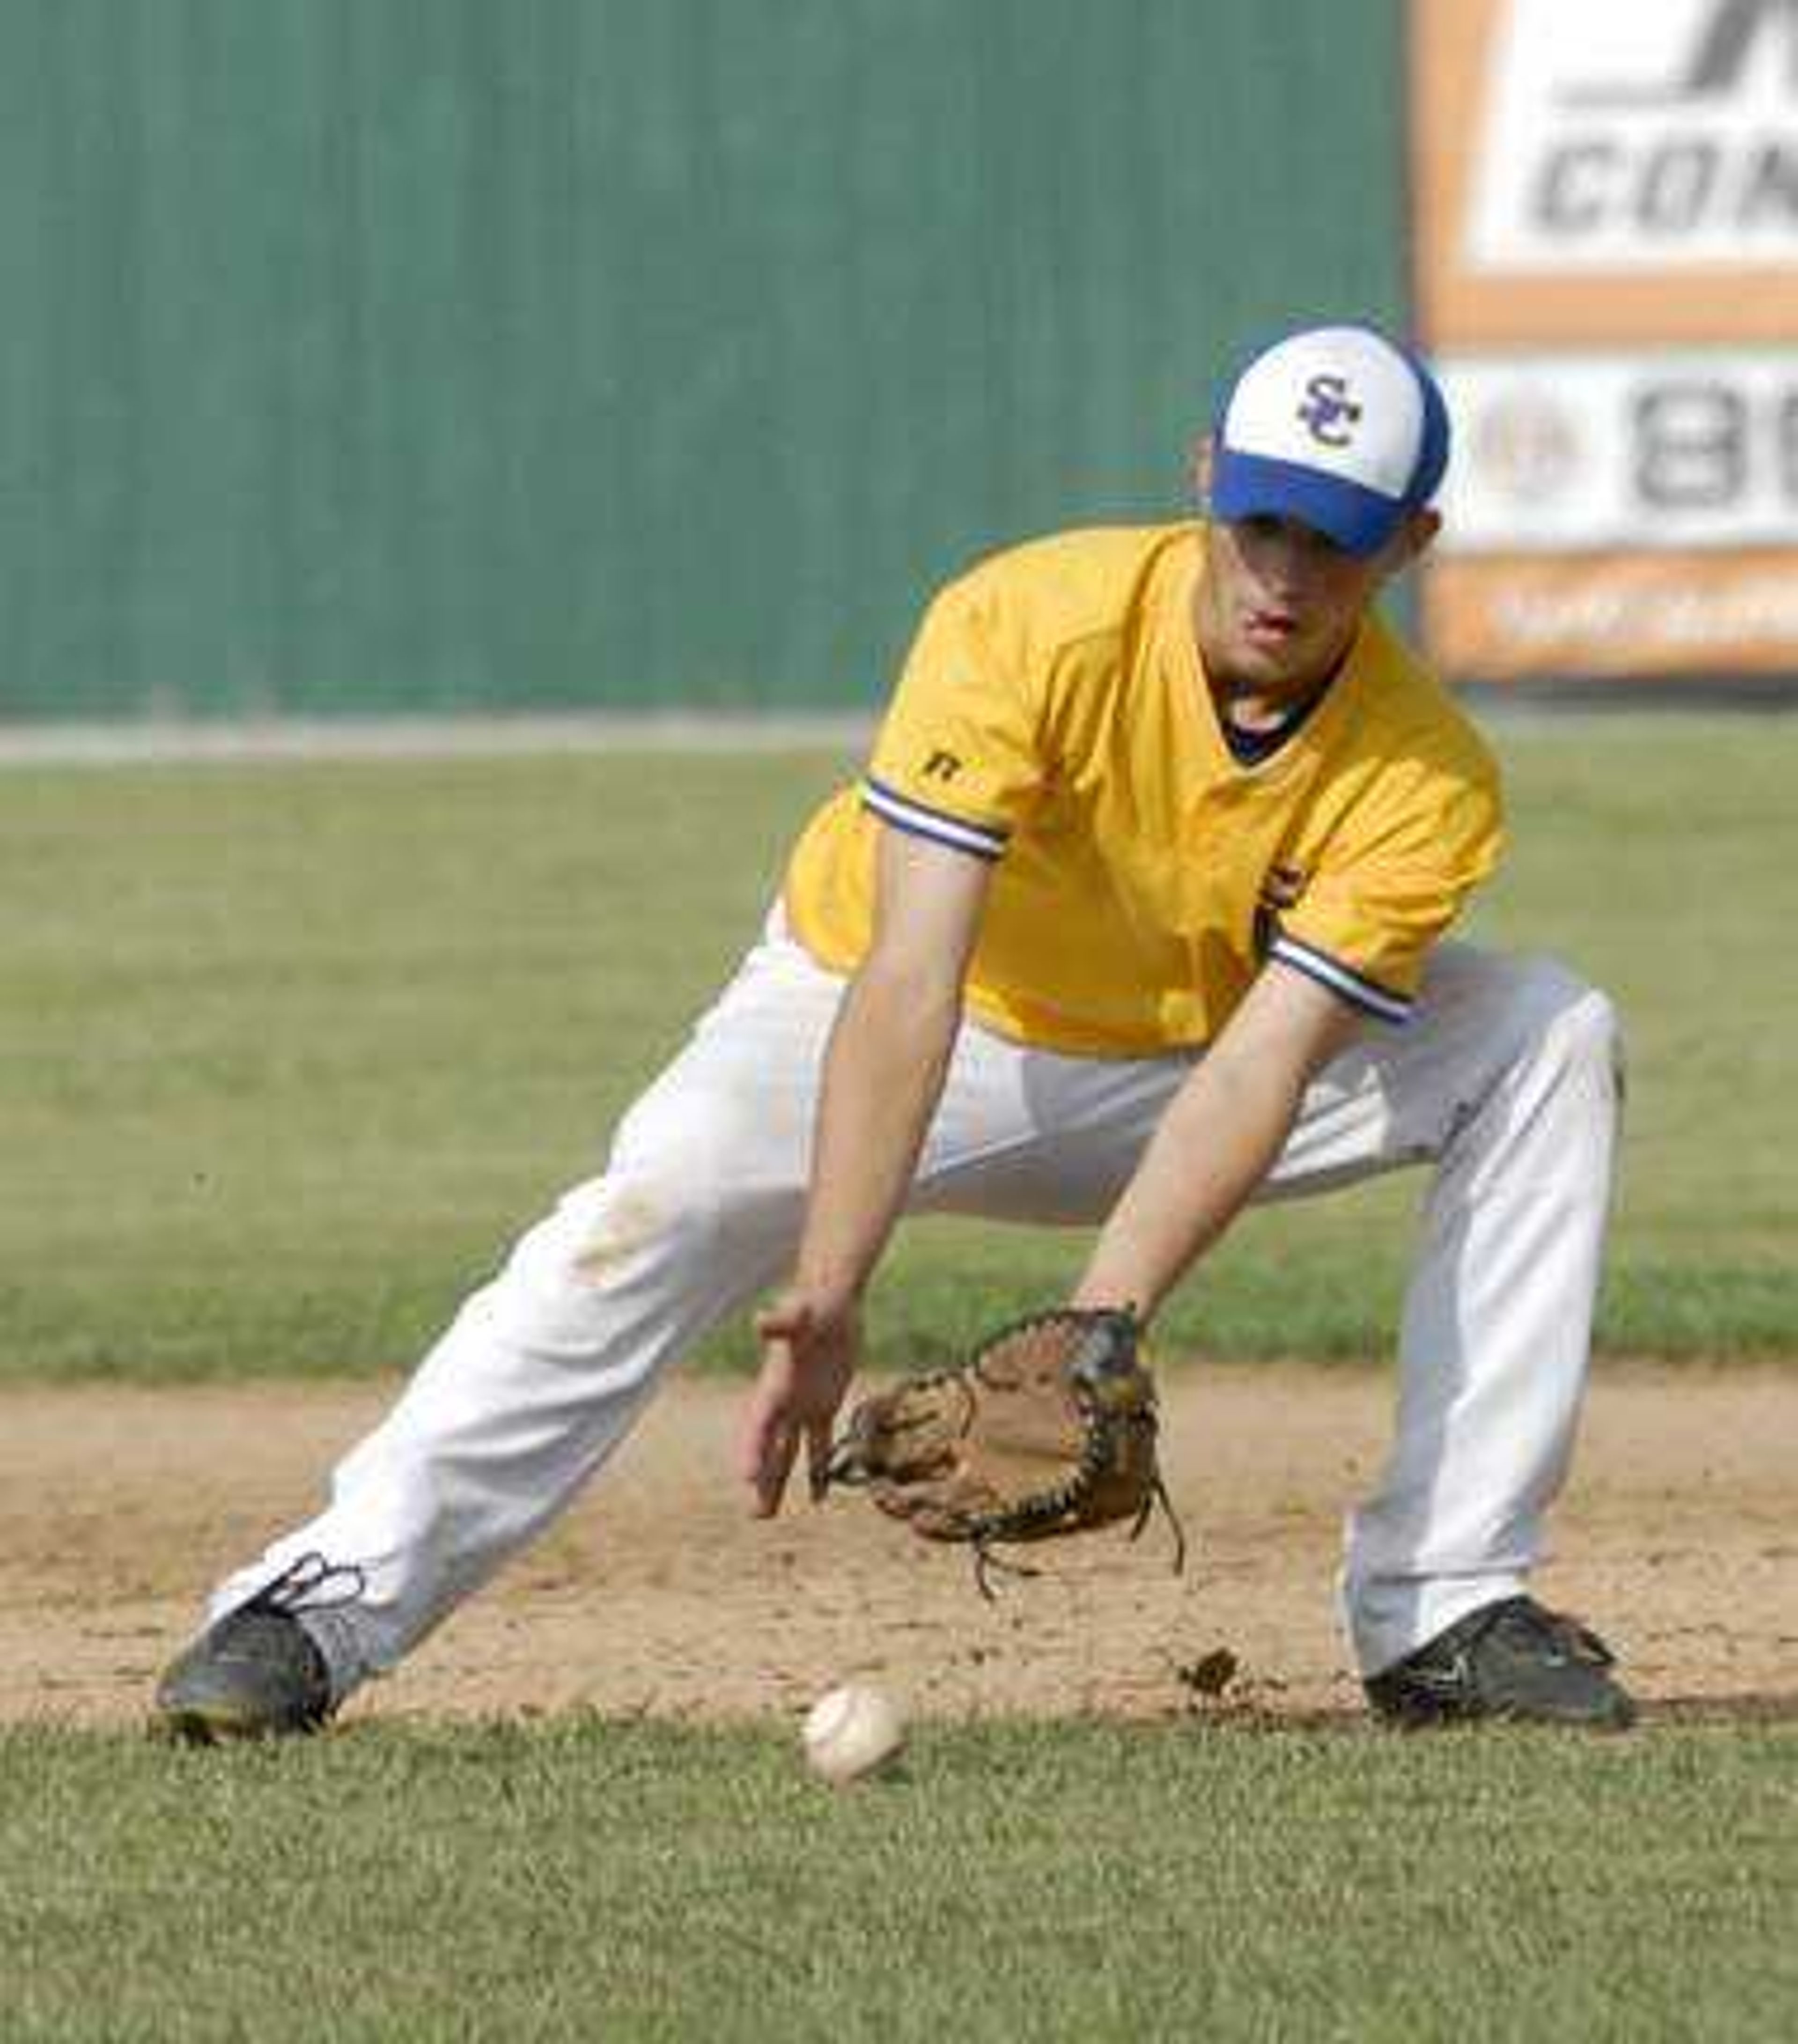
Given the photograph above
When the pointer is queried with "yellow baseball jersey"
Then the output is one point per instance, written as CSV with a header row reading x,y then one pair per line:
x,y
1054,717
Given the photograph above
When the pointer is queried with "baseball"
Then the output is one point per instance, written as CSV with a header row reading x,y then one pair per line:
x,y
850,1732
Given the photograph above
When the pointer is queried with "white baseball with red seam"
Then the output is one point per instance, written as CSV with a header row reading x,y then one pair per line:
x,y
850,1732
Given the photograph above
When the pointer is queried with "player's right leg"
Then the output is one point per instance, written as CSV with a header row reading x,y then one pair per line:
x,y
540,1375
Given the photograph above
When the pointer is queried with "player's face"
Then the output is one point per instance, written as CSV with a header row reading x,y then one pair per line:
x,y
1279,603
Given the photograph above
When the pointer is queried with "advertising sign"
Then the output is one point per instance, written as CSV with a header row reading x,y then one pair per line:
x,y
1606,202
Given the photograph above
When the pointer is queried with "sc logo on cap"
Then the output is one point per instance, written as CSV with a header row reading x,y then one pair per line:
x,y
1329,413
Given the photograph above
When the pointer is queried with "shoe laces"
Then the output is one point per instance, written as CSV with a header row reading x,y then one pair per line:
x,y
312,1583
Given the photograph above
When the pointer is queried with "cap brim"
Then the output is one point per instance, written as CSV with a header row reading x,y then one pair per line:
x,y
1251,486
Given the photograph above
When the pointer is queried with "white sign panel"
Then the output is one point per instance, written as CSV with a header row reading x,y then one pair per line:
x,y
1554,454
1628,135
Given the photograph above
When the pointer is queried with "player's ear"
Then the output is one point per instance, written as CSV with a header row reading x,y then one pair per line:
x,y
1412,540
1201,460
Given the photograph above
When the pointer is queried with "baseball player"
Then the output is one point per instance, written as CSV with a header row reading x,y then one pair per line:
x,y
1137,915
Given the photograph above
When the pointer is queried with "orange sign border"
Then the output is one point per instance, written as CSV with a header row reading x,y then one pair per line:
x,y
1459,600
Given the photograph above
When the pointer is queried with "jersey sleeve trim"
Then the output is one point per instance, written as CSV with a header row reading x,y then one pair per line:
x,y
981,840
1331,972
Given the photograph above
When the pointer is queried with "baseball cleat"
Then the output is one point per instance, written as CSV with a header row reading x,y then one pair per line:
x,y
1511,1662
256,1673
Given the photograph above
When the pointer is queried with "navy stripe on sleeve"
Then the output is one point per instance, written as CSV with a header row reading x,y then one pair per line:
x,y
1331,972
981,840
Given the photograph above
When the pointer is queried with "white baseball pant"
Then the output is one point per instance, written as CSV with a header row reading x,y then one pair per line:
x,y
1507,1079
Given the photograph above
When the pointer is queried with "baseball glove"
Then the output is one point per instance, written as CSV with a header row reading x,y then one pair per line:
x,y
1049,1430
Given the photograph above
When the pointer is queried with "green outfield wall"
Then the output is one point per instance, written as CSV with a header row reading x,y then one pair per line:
x,y
390,355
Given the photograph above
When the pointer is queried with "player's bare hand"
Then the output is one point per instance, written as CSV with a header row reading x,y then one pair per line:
x,y
810,1347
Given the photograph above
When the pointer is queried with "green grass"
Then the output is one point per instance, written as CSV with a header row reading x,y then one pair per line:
x,y
288,1053
592,1880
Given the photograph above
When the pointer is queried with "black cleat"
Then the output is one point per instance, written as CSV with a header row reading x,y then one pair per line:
x,y
1512,1661
257,1673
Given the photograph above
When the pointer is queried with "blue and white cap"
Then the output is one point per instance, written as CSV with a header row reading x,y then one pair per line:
x,y
1337,426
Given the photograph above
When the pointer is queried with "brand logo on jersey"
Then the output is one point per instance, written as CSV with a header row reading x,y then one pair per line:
x,y
941,766
1281,887
1329,414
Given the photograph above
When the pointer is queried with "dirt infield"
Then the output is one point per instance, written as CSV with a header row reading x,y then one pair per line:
x,y
1679,1537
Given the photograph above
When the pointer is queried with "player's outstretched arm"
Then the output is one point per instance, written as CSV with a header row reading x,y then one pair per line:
x,y
883,1073
1221,1134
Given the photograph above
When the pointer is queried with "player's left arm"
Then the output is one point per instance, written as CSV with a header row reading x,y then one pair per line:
x,y
1354,946
1221,1135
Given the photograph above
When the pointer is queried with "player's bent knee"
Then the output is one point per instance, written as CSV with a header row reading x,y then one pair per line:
x,y
690,1210
1558,1014
1595,1029
627,1222
626,1265
712,1167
